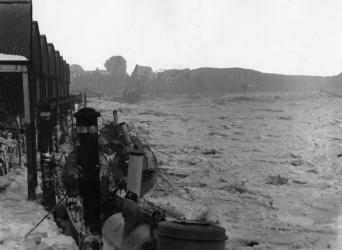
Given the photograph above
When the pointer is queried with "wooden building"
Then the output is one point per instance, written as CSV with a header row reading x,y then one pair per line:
x,y
31,71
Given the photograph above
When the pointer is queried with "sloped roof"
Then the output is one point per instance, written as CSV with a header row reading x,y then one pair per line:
x,y
68,72
44,55
52,60
36,57
58,64
61,72
15,28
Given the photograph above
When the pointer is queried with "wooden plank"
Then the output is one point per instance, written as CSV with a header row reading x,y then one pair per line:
x,y
12,68
37,89
26,93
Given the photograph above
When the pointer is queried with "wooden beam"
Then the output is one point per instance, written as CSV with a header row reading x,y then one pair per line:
x,y
12,68
37,89
26,93
30,138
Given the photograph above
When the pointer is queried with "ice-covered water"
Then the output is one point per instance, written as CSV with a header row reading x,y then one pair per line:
x,y
265,167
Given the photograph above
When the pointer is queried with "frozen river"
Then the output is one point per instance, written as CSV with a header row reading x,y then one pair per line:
x,y
266,167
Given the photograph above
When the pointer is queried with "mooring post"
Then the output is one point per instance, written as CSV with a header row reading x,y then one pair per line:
x,y
88,160
84,99
115,117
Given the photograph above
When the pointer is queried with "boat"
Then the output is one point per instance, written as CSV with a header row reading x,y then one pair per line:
x,y
101,194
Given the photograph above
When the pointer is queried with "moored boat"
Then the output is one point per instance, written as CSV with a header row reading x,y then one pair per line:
x,y
105,180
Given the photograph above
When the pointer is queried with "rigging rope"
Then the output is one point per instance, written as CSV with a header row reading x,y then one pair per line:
x,y
172,157
164,179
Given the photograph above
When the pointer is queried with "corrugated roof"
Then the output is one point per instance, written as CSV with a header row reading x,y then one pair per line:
x,y
58,64
44,55
36,57
52,60
62,69
15,28
68,73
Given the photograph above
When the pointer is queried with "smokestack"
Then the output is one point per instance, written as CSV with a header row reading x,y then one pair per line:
x,y
88,160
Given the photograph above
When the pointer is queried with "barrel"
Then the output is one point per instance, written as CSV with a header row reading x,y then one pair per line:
x,y
190,235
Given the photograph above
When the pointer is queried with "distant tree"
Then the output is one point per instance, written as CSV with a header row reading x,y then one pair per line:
x,y
116,65
76,70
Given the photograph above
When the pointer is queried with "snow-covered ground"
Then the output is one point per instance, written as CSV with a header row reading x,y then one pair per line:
x,y
275,177
18,216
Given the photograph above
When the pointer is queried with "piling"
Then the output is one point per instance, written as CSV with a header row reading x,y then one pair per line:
x,y
84,99
115,117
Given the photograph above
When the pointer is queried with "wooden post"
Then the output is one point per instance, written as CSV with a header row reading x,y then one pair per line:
x,y
57,110
84,99
37,88
115,117
30,135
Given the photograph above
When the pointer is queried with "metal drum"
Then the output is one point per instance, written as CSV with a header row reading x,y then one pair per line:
x,y
190,235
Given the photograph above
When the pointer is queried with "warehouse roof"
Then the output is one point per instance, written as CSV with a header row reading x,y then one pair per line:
x,y
15,28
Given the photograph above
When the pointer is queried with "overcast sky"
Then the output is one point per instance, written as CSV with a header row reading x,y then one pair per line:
x,y
279,36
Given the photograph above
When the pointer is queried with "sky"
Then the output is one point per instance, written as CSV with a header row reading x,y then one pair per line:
x,y
276,36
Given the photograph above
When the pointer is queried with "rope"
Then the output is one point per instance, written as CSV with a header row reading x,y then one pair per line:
x,y
174,188
164,210
160,174
172,157
59,161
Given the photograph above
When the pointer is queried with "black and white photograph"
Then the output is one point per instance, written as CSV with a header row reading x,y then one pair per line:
x,y
170,125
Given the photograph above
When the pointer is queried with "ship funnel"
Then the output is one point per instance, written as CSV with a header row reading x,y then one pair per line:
x,y
88,161
135,167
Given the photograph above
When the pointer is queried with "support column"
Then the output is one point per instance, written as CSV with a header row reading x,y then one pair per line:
x,y
30,135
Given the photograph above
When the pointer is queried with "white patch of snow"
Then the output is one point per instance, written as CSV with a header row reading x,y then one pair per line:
x,y
6,57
